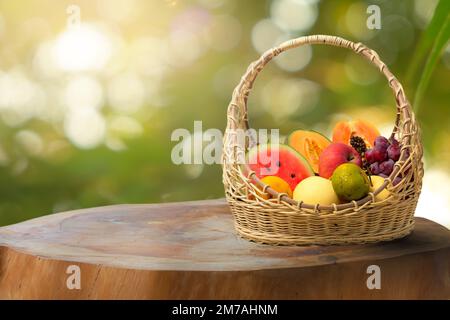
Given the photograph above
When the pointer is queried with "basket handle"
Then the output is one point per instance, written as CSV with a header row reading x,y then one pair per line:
x,y
237,113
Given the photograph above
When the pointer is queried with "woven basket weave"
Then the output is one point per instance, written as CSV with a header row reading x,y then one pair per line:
x,y
284,221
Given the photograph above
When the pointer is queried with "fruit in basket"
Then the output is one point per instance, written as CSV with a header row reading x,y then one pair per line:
x,y
382,157
315,190
381,143
377,181
393,152
374,168
386,167
334,155
344,130
396,181
279,160
309,144
375,155
358,144
350,182
277,184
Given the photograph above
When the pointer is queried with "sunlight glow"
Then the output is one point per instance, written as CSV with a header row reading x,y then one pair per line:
x,y
294,15
82,48
126,92
265,34
85,127
283,97
83,92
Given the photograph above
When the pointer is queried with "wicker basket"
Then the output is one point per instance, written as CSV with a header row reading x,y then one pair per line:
x,y
284,221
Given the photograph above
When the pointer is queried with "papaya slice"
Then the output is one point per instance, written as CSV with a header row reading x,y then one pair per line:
x,y
309,144
344,130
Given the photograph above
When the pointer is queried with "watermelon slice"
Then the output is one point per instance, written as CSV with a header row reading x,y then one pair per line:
x,y
279,160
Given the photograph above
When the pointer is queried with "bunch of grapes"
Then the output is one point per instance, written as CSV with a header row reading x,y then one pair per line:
x,y
382,157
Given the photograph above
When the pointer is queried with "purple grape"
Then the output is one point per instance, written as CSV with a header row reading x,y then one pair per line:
x,y
393,152
383,175
396,180
387,166
374,168
369,156
380,155
375,155
381,143
406,154
393,141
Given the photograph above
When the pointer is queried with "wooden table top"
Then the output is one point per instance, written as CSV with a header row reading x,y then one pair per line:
x,y
189,236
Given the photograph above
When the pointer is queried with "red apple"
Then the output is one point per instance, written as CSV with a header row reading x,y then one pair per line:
x,y
334,155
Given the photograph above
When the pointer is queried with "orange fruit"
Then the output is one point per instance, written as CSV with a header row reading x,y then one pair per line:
x,y
277,184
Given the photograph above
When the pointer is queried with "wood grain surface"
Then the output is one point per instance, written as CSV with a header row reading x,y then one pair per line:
x,y
189,250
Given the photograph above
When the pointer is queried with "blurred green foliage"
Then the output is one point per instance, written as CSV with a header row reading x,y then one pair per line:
x,y
45,167
433,42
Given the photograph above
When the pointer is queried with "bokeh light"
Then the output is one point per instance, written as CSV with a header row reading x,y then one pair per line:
x,y
85,127
295,59
224,33
83,92
126,92
44,64
265,34
17,97
186,40
356,21
294,15
283,97
82,47
30,141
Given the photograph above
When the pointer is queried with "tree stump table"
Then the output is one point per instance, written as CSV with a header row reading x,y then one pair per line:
x,y
189,250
